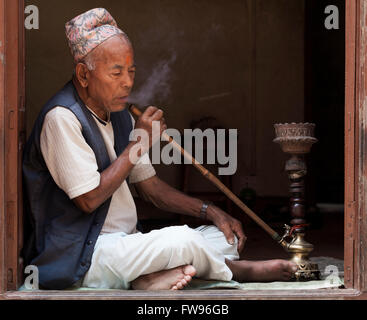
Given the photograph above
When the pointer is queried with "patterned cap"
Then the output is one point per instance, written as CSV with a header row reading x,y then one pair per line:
x,y
89,30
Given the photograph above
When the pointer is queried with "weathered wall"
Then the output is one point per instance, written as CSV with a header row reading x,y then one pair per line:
x,y
241,61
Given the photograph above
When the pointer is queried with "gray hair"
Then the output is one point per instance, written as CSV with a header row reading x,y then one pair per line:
x,y
90,61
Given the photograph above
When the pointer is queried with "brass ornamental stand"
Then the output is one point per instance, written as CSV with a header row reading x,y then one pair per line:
x,y
297,140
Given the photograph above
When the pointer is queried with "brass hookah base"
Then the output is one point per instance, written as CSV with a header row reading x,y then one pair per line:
x,y
299,249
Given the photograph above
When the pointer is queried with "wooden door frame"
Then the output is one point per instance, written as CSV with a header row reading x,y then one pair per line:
x,y
355,225
360,143
12,116
351,124
12,125
2,151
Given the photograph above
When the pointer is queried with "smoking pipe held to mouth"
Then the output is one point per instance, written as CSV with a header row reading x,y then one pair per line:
x,y
212,178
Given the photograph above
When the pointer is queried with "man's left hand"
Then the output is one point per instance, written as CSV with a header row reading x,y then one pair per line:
x,y
228,225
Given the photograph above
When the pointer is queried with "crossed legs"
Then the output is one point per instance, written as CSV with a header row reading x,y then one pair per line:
x,y
170,257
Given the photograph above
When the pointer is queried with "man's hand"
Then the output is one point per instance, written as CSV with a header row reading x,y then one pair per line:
x,y
145,122
228,225
167,198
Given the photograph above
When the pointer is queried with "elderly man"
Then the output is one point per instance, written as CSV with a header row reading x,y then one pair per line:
x,y
76,172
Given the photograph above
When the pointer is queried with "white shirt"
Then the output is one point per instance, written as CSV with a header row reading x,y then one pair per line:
x,y
73,165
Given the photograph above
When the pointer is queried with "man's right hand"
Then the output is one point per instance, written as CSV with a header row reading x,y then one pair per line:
x,y
145,122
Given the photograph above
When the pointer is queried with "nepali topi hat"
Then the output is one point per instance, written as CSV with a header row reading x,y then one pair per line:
x,y
88,30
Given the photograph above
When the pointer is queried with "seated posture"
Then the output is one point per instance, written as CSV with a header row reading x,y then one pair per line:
x,y
77,168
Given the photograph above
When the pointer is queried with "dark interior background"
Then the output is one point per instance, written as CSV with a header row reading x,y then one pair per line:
x,y
324,100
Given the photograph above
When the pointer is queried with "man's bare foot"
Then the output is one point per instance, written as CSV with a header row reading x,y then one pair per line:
x,y
173,279
262,271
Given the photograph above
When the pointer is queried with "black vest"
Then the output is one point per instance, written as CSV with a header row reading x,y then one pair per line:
x,y
60,238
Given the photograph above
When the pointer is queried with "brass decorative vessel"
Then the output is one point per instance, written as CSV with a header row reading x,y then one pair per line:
x,y
297,139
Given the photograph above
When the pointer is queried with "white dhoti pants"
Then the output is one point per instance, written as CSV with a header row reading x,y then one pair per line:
x,y
119,259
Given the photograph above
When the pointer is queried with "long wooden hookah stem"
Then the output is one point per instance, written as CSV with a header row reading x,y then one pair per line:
x,y
212,178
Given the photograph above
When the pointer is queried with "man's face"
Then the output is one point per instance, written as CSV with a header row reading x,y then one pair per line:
x,y
110,83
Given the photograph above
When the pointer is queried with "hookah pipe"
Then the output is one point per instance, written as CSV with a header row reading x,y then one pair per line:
x,y
212,178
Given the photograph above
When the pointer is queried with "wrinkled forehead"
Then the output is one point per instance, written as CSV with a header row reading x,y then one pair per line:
x,y
116,50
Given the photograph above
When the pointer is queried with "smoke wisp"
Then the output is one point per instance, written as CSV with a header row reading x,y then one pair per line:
x,y
157,87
